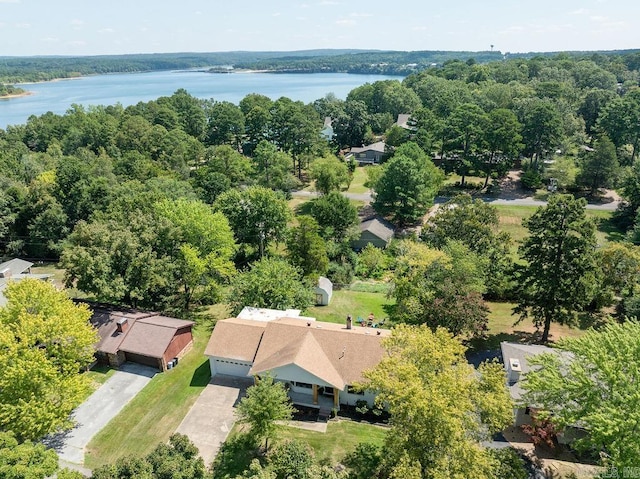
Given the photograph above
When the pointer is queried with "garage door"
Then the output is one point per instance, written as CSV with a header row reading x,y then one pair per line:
x,y
140,359
229,367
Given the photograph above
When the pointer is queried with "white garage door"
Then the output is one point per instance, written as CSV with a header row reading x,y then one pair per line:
x,y
229,367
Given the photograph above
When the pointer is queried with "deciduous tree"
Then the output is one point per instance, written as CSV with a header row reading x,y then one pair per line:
x,y
45,340
270,283
438,405
306,248
407,185
266,403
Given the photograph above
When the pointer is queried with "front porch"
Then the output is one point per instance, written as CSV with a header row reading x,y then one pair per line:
x,y
321,402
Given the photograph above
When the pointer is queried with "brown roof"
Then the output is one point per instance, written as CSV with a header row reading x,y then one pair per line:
x,y
147,334
326,350
236,339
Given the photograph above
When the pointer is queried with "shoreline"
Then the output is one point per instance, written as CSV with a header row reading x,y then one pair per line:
x,y
16,95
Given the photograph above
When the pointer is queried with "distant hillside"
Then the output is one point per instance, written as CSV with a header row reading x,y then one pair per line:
x,y
29,69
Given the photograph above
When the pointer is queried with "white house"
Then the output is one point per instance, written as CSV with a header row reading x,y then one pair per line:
x,y
320,362
323,291
15,270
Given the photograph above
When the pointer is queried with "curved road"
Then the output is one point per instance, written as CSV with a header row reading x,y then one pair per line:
x,y
527,201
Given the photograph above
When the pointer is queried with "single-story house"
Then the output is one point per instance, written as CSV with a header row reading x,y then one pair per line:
x,y
327,129
376,231
140,337
319,362
372,154
15,270
323,291
515,358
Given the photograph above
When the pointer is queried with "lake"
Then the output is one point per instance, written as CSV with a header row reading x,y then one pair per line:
x,y
131,88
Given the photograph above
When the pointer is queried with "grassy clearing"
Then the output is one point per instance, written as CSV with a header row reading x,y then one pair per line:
x,y
341,437
511,217
359,178
155,413
99,374
355,303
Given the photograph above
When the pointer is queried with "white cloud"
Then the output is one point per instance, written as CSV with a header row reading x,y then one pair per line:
x,y
9,1
276,14
419,29
50,40
345,21
106,30
328,2
513,29
77,43
361,15
23,25
598,18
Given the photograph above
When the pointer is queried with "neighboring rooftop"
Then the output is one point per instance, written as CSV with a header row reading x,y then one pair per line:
x,y
15,270
378,146
379,227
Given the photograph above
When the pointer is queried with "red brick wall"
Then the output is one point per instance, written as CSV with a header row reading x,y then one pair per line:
x,y
180,340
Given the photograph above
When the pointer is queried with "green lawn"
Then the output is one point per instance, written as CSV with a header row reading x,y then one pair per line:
x,y
355,303
511,221
99,374
341,438
359,177
155,413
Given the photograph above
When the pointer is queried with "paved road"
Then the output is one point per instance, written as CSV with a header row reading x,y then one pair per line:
x,y
210,419
102,406
527,201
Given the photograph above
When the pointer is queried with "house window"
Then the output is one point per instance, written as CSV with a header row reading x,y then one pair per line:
x,y
527,411
352,390
302,385
327,391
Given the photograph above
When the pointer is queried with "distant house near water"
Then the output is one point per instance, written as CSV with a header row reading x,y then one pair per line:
x,y
327,129
376,231
140,337
16,270
372,154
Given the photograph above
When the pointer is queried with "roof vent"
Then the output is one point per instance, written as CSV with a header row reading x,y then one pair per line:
x,y
308,323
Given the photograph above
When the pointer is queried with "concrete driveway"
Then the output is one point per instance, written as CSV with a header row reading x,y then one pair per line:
x,y
102,406
210,419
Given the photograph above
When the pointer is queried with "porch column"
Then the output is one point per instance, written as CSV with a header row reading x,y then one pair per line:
x,y
314,388
336,397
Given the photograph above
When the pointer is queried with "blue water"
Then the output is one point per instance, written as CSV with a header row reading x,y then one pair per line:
x,y
131,88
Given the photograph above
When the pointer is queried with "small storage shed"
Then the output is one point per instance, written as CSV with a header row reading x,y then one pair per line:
x,y
323,291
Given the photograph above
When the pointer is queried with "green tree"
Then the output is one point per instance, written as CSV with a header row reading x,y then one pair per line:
x,y
292,460
306,249
257,215
407,185
599,168
541,127
45,340
336,216
224,159
270,283
440,288
439,421
558,278
266,403
593,382
620,121
503,142
465,127
329,173
225,124
273,167
474,223
25,460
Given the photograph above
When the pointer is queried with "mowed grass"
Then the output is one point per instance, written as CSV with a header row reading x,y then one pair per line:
x,y
155,413
340,439
359,178
511,217
355,303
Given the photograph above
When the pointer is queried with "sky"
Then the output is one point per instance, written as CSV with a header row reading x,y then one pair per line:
x,y
99,27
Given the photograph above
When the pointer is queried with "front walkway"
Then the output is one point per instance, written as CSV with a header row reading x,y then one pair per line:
x,y
102,406
210,419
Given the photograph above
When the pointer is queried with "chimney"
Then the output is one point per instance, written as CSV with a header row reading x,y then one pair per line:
x,y
349,322
122,325
514,370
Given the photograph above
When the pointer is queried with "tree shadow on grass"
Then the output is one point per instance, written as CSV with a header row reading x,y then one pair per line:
x,y
304,208
235,456
492,341
201,375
